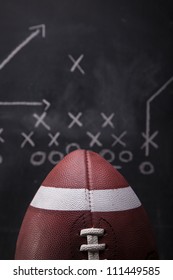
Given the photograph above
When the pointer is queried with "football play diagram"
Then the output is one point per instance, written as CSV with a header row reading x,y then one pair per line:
x,y
77,120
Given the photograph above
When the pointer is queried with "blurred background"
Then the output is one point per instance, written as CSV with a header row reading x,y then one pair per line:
x,y
86,74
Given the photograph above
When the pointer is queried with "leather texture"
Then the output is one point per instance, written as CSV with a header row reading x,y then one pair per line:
x,y
55,234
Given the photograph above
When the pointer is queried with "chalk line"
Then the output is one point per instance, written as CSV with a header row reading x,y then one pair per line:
x,y
148,112
39,29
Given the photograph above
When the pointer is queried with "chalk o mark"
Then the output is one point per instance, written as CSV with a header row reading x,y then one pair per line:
x,y
146,168
38,158
55,156
1,159
108,155
125,156
72,147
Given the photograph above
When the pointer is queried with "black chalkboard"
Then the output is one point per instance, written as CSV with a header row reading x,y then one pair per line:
x,y
87,74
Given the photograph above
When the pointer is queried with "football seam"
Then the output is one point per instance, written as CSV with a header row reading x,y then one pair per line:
x,y
88,177
88,184
113,233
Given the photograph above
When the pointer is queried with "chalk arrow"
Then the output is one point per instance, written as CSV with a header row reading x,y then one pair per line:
x,y
37,30
41,28
44,102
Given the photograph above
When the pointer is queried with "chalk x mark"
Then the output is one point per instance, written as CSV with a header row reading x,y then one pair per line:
x,y
76,63
75,119
118,140
54,139
44,102
149,138
94,139
149,141
1,139
108,120
27,139
40,120
38,29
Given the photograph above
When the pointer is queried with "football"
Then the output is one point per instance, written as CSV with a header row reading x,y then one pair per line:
x,y
85,209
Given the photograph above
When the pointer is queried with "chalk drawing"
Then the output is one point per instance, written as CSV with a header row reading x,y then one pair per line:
x,y
150,137
149,141
27,139
53,139
55,156
1,159
118,140
75,120
94,139
38,29
38,158
117,166
41,28
108,120
125,156
40,120
1,139
146,168
109,156
76,63
44,103
72,147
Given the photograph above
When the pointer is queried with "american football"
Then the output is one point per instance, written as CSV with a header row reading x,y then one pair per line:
x,y
85,209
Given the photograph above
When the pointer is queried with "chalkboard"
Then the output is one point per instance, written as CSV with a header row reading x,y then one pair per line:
x,y
88,74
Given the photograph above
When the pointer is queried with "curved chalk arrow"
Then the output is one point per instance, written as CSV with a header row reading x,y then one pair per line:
x,y
37,30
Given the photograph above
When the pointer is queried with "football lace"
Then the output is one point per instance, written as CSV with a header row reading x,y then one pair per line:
x,y
92,247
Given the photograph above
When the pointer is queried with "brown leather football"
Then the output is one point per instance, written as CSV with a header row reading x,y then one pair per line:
x,y
85,209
